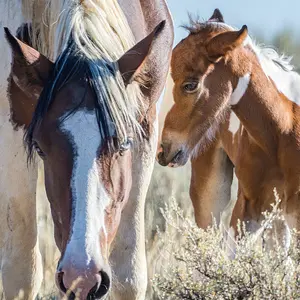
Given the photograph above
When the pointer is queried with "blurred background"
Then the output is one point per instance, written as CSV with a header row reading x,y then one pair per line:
x,y
275,23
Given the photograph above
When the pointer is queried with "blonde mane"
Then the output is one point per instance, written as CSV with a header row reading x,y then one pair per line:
x,y
100,31
99,27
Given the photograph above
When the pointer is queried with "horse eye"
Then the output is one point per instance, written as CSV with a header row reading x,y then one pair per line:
x,y
38,150
126,146
190,87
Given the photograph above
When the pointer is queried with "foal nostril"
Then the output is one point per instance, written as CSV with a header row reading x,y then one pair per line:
x,y
101,288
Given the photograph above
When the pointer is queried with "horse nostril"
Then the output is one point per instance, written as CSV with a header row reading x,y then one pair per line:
x,y
93,291
100,289
60,282
105,283
62,287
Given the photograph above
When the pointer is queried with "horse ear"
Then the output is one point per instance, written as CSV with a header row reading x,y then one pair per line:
x,y
134,58
30,69
224,42
216,17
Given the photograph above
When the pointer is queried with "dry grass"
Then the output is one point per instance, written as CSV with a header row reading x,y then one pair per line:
x,y
165,185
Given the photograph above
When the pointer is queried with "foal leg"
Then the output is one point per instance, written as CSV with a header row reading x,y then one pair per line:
x,y
277,234
292,218
128,257
238,214
210,188
21,263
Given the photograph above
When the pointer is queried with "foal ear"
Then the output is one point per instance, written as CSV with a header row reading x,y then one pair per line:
x,y
133,59
216,17
30,69
224,42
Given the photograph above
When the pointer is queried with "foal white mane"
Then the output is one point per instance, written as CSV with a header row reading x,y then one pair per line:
x,y
263,52
280,69
276,66
101,31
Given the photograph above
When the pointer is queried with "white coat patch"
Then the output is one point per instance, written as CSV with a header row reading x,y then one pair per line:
x,y
234,123
240,89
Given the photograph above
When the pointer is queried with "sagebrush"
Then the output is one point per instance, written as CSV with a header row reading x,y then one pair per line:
x,y
206,269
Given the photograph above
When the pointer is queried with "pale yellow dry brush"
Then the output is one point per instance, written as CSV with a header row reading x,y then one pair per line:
x,y
204,270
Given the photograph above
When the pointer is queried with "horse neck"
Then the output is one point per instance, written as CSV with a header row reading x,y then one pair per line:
x,y
265,112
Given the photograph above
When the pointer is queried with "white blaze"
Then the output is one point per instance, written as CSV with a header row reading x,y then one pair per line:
x,y
88,194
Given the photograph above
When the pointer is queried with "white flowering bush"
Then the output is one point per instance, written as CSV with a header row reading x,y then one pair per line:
x,y
207,269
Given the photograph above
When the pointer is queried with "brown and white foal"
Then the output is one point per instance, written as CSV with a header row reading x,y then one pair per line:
x,y
220,75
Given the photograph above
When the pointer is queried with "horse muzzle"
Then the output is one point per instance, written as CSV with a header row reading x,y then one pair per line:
x,y
78,283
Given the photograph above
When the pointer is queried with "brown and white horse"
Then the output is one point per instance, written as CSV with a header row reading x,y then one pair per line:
x,y
85,95
221,76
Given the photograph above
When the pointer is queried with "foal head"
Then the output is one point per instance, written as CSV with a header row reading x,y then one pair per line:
x,y
71,113
205,68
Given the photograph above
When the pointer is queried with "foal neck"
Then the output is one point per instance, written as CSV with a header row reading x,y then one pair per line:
x,y
264,111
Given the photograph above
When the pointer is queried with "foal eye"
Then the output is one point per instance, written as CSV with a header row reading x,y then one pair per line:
x,y
190,87
38,150
126,146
